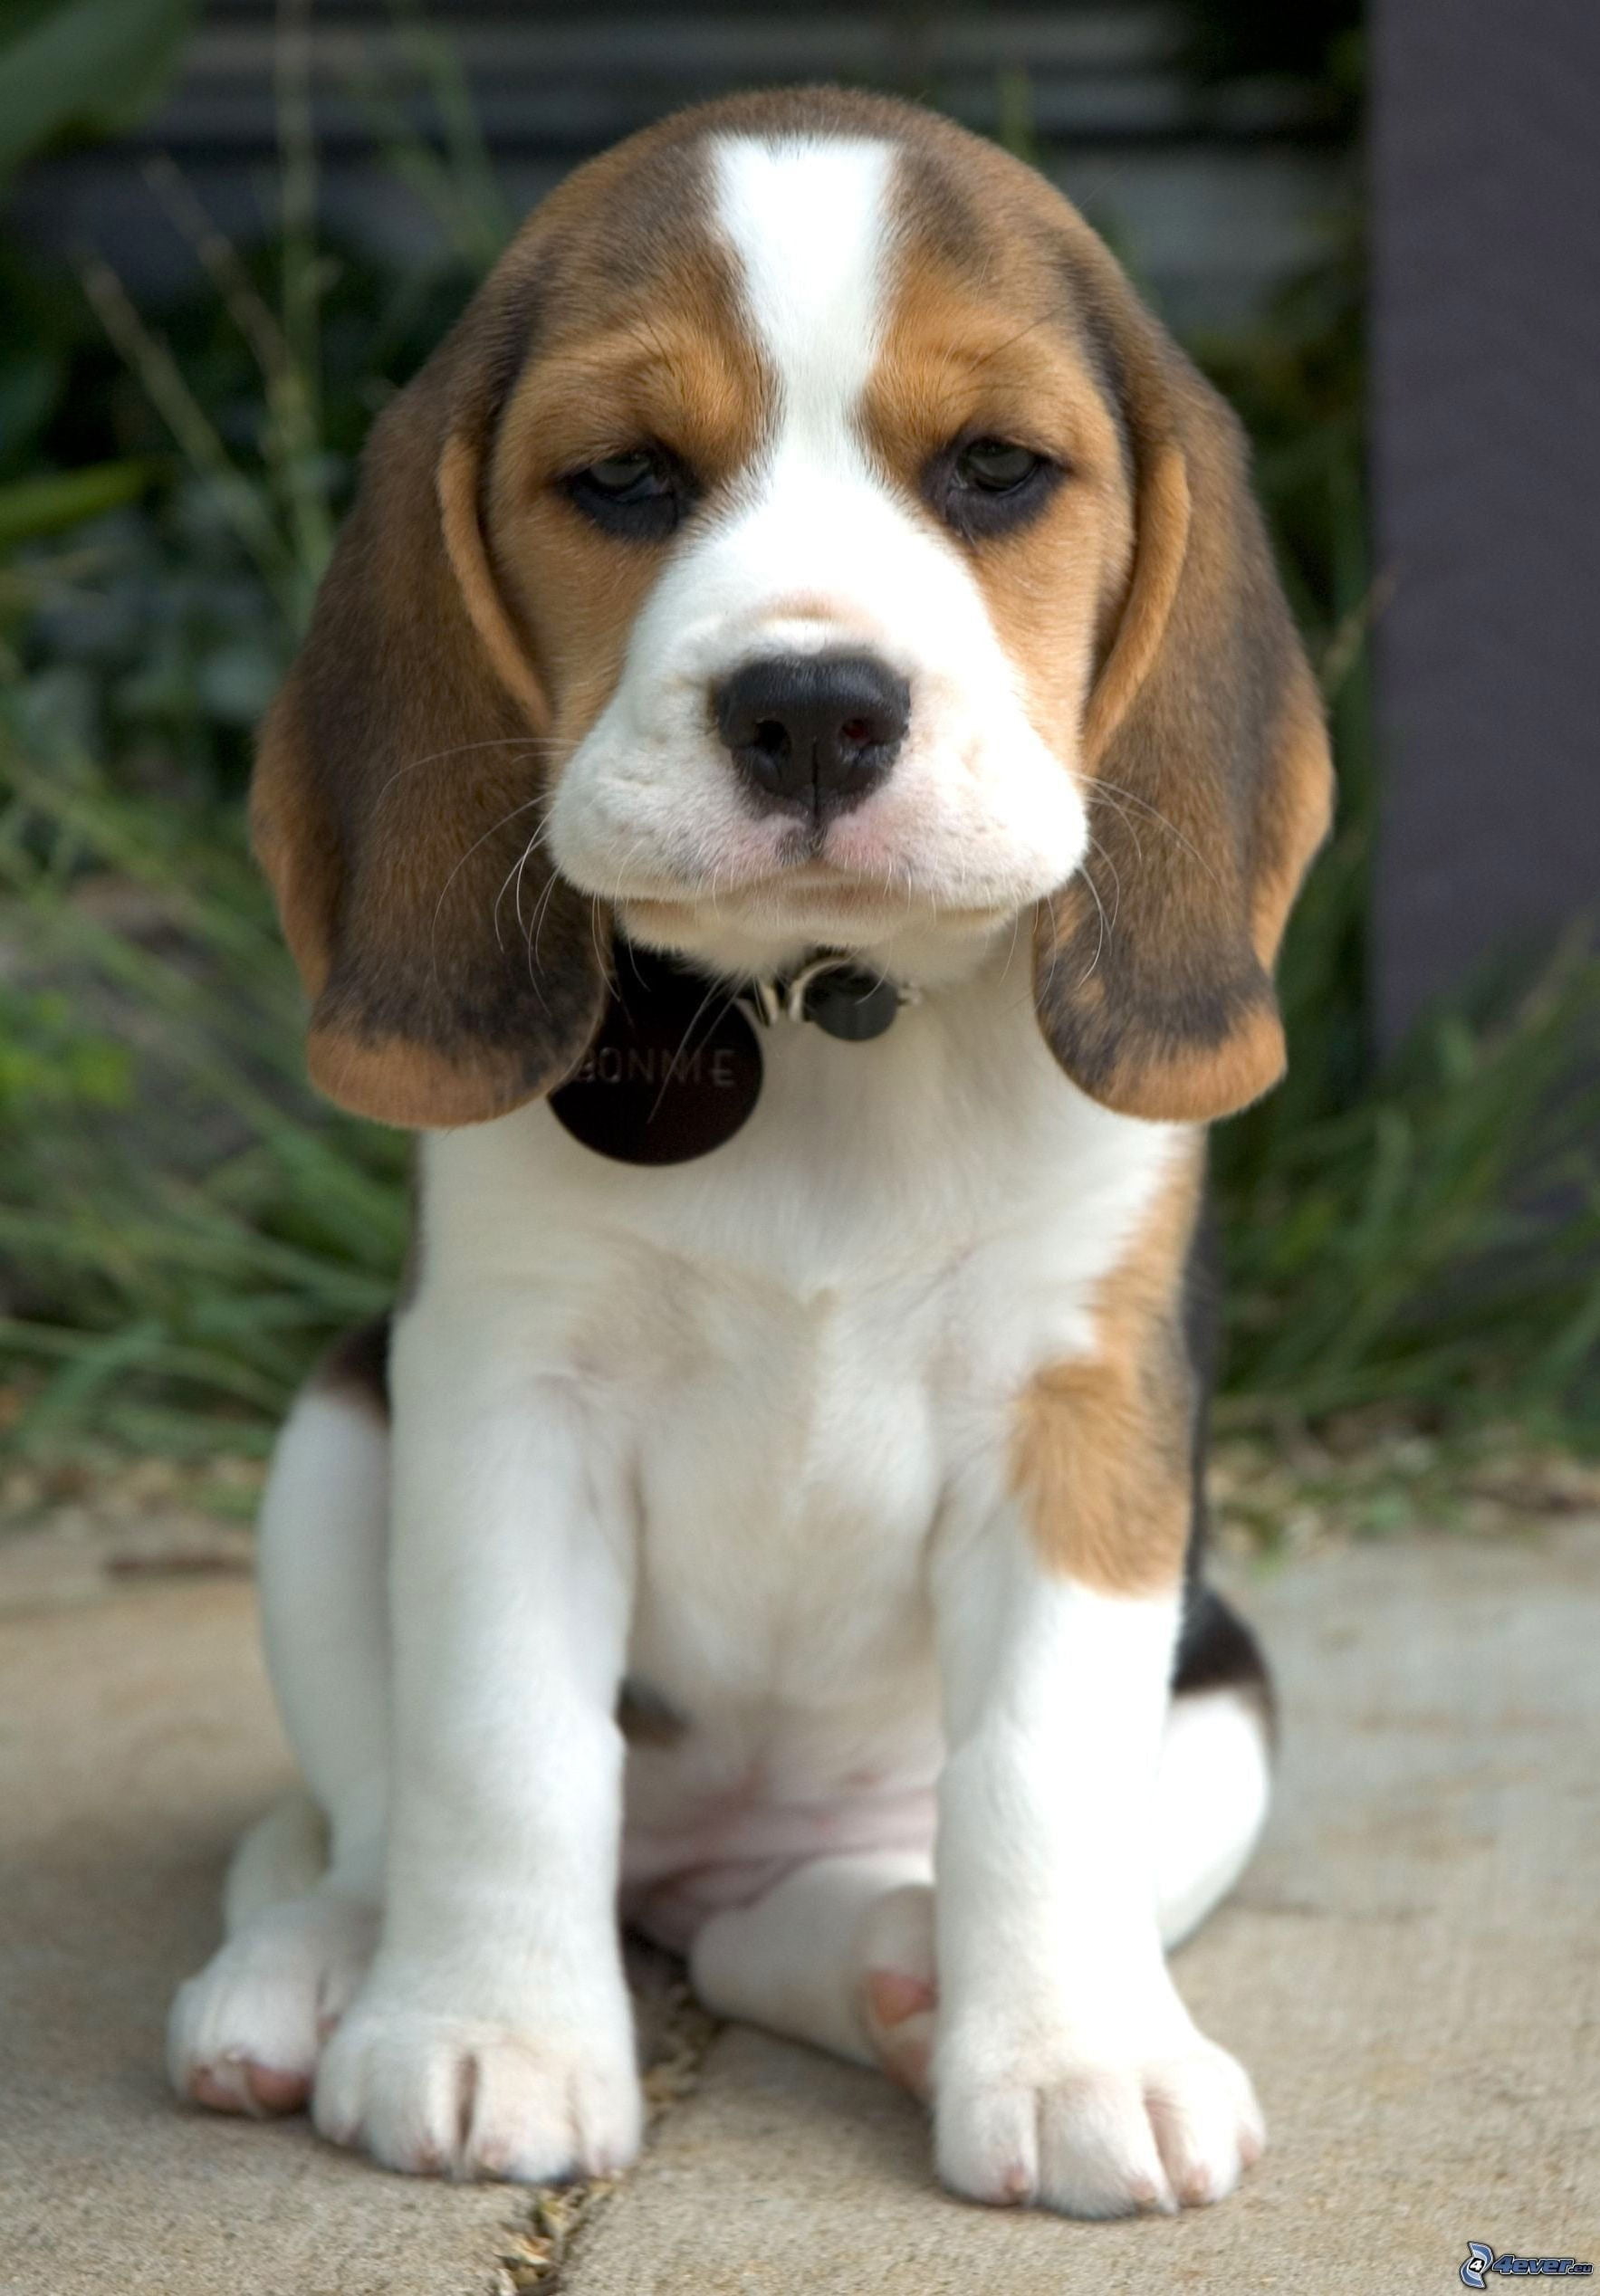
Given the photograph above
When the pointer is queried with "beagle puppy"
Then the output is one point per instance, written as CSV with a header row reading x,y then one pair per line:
x,y
792,790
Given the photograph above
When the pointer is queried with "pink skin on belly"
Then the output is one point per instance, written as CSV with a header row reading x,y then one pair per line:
x,y
737,1846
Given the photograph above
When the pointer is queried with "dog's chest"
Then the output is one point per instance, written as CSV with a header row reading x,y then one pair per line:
x,y
788,1476
791,1470
798,1346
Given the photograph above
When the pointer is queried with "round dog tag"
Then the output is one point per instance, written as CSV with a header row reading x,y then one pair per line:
x,y
674,1071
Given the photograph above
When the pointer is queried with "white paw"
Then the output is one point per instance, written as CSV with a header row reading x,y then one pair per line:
x,y
1098,2136
458,2097
244,2035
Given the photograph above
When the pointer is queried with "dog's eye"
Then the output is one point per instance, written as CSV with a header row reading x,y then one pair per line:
x,y
982,486
995,467
624,477
642,492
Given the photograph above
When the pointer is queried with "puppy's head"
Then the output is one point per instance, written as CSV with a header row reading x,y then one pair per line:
x,y
805,538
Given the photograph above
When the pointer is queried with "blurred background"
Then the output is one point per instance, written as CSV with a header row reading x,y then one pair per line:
x,y
229,231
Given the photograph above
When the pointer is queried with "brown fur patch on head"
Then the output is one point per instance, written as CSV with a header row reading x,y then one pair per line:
x,y
688,381
1101,1458
980,344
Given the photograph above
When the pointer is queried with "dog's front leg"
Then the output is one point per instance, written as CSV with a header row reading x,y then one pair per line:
x,y
493,2036
1067,2070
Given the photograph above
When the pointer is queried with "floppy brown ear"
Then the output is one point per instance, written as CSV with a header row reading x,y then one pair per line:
x,y
1209,780
398,784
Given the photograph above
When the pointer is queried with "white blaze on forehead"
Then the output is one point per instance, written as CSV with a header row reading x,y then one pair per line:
x,y
808,220
819,543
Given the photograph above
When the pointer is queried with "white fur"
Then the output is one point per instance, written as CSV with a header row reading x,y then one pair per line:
x,y
1214,1786
741,1427
1066,2068
283,1855
494,2034
817,551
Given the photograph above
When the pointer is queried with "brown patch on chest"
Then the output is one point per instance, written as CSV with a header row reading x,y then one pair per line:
x,y
1100,1459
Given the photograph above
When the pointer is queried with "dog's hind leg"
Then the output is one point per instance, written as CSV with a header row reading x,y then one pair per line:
x,y
841,1952
302,1902
281,1856
1216,1764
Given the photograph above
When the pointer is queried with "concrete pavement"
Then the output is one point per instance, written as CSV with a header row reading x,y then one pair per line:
x,y
1410,1970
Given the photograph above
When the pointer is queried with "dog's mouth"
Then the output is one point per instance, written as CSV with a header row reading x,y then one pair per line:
x,y
815,901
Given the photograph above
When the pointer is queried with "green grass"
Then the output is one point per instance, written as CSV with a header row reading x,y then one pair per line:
x,y
182,1225
1434,1244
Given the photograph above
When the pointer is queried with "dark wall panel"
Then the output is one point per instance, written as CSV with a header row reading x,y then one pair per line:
x,y
1487,437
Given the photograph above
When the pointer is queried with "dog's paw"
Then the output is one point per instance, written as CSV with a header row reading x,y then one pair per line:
x,y
244,2035
1098,2136
456,2097
896,1991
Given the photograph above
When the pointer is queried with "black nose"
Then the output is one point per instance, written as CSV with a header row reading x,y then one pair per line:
x,y
814,733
